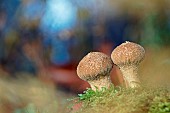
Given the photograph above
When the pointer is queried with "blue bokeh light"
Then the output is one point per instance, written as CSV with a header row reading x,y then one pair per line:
x,y
33,10
59,15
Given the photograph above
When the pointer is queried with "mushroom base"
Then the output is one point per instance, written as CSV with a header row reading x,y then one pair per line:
x,y
130,75
102,81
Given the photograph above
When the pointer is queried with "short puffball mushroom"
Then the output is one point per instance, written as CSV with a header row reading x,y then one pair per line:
x,y
127,57
95,68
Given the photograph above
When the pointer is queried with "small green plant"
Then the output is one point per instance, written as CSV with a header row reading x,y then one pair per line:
x,y
90,94
87,94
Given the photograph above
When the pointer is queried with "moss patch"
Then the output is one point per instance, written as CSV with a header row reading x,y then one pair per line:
x,y
122,100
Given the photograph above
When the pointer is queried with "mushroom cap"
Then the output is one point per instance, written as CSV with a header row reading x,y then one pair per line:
x,y
94,64
128,53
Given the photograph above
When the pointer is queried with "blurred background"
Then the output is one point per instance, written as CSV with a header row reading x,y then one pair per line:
x,y
47,38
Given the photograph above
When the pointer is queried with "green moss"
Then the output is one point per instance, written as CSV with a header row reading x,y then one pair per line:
x,y
122,100
160,105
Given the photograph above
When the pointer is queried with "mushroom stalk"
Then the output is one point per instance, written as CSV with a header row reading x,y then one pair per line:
x,y
130,75
101,81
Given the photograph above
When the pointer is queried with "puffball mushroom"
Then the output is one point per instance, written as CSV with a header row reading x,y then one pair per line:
x,y
95,68
127,57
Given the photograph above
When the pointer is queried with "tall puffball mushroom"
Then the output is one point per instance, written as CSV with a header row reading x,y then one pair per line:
x,y
127,57
95,68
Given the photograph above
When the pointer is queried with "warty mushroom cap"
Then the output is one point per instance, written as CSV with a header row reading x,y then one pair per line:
x,y
128,53
93,65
